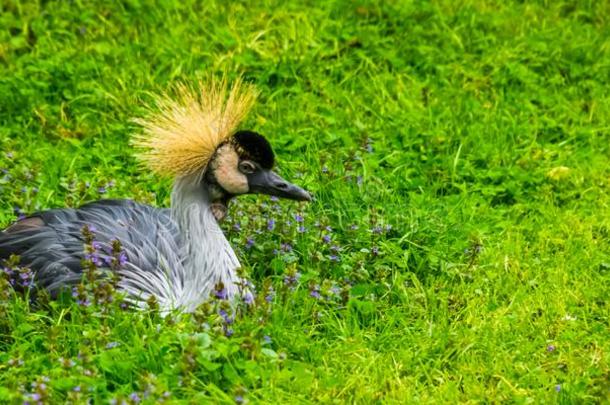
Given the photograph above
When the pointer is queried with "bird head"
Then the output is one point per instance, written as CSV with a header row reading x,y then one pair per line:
x,y
243,165
193,134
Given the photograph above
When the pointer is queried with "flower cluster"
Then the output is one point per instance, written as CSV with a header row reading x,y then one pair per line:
x,y
109,255
291,278
150,391
328,291
99,284
20,278
39,393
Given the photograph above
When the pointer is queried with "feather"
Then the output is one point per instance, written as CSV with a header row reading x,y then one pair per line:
x,y
148,235
182,131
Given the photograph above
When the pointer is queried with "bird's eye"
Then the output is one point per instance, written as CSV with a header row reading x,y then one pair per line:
x,y
247,167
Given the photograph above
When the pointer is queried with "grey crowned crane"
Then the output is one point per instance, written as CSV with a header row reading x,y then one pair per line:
x,y
178,255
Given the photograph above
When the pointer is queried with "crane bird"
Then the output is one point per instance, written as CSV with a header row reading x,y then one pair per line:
x,y
178,255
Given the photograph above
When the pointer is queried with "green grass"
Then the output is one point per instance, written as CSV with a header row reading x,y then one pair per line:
x,y
489,128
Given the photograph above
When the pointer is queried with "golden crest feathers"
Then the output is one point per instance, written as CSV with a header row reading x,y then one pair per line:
x,y
182,130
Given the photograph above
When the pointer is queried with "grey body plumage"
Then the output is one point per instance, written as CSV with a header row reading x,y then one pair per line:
x,y
177,255
55,250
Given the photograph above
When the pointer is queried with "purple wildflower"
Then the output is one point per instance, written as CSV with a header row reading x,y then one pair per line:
x,y
237,227
266,340
377,230
550,348
225,316
101,190
270,224
249,243
122,258
298,218
324,169
221,294
135,397
558,387
76,389
334,258
326,238
375,250
95,259
112,345
248,298
286,247
314,291
274,198
359,180
229,332
301,229
292,279
239,399
270,295
84,302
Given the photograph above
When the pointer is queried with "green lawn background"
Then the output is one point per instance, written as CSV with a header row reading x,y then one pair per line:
x,y
458,152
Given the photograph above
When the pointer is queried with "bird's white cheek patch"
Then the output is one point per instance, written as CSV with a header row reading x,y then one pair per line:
x,y
228,175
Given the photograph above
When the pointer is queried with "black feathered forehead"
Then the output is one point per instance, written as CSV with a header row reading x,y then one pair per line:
x,y
253,146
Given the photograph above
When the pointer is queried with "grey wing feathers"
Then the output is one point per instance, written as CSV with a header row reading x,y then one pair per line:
x,y
55,250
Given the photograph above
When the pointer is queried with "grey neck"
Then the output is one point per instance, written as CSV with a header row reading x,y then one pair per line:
x,y
209,258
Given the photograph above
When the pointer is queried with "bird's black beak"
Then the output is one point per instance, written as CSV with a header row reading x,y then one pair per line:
x,y
269,182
